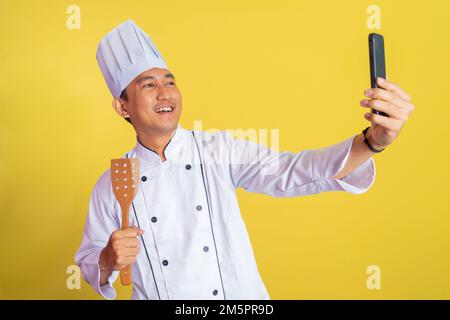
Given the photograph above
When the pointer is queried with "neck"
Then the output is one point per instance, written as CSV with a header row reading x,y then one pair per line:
x,y
156,142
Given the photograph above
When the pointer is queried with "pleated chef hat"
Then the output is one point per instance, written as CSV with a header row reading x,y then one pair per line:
x,y
124,53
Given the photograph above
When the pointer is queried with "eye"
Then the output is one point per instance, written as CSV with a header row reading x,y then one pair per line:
x,y
171,83
147,85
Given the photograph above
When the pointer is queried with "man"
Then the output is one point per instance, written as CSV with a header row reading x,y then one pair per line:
x,y
188,239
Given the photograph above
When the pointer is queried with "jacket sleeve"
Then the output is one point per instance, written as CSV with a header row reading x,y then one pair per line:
x,y
259,169
100,223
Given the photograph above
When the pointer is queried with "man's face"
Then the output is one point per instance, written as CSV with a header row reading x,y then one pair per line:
x,y
147,94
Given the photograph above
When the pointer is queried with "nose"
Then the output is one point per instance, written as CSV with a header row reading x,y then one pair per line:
x,y
162,93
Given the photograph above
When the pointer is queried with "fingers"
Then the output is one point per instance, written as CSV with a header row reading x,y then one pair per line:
x,y
377,93
132,232
123,262
391,124
382,94
126,238
122,248
124,255
394,88
127,243
398,104
385,107
127,252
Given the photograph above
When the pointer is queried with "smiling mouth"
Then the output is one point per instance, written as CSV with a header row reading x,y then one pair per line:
x,y
164,109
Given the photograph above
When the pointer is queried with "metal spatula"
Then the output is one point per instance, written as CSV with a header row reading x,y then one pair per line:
x,y
125,182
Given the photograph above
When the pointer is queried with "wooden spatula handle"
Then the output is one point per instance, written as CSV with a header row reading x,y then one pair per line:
x,y
125,273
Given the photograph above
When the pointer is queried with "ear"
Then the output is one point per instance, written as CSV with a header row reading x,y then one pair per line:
x,y
120,107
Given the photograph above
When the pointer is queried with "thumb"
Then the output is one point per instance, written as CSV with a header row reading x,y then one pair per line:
x,y
138,230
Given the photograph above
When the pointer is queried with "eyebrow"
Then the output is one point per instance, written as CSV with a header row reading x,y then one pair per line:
x,y
167,75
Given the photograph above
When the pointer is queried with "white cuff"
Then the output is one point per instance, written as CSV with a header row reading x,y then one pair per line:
x,y
335,157
91,271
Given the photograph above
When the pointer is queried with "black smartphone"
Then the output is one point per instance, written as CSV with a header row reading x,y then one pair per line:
x,y
377,62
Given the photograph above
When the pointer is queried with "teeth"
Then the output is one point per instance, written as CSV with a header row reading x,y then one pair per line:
x,y
164,109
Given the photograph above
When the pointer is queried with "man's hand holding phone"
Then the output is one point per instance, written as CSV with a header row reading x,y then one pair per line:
x,y
391,106
395,103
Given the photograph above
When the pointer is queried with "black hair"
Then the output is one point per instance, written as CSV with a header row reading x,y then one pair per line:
x,y
124,96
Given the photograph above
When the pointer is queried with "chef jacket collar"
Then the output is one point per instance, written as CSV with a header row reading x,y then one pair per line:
x,y
171,152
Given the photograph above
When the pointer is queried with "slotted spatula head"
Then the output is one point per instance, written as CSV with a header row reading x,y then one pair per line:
x,y
125,180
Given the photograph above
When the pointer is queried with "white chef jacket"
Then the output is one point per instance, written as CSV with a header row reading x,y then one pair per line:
x,y
195,244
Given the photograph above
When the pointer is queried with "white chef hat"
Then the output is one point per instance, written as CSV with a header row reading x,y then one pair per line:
x,y
124,53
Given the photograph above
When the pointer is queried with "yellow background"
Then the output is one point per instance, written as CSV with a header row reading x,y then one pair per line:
x,y
297,66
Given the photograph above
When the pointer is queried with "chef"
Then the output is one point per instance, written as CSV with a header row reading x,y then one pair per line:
x,y
188,239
